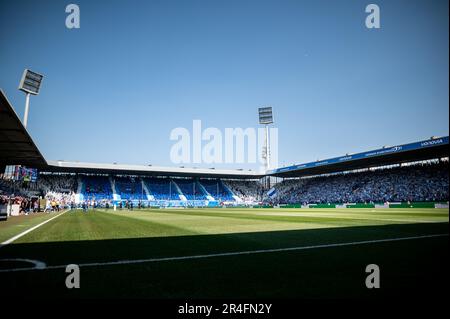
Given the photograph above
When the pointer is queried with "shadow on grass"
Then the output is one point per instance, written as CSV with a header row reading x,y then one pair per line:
x,y
409,267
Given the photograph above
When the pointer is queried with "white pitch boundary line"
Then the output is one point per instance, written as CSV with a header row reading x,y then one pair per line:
x,y
9,241
237,253
37,264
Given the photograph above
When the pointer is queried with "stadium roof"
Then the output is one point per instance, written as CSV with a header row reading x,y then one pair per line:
x,y
16,145
125,169
423,150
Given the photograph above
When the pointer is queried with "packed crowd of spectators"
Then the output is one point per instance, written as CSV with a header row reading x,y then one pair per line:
x,y
56,191
248,191
57,183
413,183
26,204
424,182
16,193
17,188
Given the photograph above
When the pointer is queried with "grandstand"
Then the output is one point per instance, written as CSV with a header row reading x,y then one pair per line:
x,y
162,189
413,183
190,189
95,187
128,188
418,182
339,180
218,190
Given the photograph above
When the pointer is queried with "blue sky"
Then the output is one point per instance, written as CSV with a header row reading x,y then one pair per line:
x,y
115,88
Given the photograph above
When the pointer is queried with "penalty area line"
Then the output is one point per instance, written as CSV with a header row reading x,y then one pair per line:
x,y
237,253
9,241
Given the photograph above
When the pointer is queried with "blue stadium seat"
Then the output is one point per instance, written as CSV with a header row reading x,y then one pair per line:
x,y
217,190
129,188
161,188
96,187
190,189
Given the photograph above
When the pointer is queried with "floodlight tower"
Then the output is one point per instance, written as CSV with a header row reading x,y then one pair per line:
x,y
30,84
266,118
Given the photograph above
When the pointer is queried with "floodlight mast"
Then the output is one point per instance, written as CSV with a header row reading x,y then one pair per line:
x,y
267,149
30,84
266,118
27,107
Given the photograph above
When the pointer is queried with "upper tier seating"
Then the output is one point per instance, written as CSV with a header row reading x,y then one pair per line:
x,y
190,189
129,188
96,187
217,190
161,188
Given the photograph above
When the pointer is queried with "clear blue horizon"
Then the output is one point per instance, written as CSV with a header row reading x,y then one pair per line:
x,y
115,88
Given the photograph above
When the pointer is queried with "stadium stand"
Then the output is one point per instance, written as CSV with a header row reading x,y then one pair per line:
x,y
96,187
59,188
415,183
248,191
13,188
191,189
129,188
162,188
57,183
217,190
424,182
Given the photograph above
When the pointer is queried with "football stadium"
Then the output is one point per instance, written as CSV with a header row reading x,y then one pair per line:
x,y
157,232
373,224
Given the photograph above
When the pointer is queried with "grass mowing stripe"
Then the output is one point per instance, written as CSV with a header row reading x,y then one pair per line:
x,y
373,216
287,215
98,225
352,212
17,224
248,252
9,241
239,215
335,220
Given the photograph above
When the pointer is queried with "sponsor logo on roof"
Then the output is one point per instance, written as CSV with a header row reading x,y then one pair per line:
x,y
432,142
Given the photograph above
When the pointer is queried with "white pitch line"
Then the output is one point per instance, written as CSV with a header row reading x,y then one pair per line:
x,y
37,264
9,241
237,253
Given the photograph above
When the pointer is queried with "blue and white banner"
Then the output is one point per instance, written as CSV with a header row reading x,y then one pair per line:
x,y
374,153
272,193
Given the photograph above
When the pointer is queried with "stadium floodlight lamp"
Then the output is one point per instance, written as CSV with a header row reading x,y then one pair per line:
x,y
265,115
30,84
266,118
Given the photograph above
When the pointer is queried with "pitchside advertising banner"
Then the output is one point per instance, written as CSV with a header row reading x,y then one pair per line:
x,y
378,152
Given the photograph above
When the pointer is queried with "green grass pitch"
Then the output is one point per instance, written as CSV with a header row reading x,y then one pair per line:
x,y
228,253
